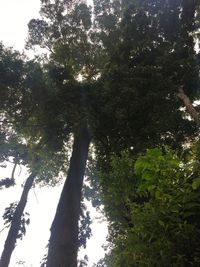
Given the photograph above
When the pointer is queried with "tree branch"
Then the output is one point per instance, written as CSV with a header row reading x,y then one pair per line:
x,y
27,125
188,104
13,171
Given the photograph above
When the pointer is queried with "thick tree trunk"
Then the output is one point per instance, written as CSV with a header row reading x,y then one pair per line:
x,y
63,243
15,224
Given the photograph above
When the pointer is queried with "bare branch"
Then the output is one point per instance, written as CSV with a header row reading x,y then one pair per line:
x,y
13,171
188,104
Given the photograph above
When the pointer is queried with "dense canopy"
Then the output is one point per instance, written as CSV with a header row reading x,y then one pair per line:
x,y
114,88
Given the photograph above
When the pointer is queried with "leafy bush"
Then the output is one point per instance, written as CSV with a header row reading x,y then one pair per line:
x,y
164,228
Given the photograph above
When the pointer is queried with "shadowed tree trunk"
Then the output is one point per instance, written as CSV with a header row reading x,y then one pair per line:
x,y
63,243
15,224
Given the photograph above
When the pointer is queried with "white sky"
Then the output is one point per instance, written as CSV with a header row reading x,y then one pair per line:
x,y
14,17
41,205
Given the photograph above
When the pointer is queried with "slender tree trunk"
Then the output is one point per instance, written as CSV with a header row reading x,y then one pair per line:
x,y
63,243
15,224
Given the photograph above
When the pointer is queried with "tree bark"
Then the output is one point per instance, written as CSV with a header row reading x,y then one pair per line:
x,y
188,104
63,243
15,224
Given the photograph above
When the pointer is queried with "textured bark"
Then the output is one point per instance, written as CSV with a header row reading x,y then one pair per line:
x,y
63,243
188,104
15,224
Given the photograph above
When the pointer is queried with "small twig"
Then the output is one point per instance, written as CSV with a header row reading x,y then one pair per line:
x,y
3,229
36,196
20,170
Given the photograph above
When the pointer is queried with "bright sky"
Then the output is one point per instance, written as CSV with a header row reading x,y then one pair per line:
x,y
14,17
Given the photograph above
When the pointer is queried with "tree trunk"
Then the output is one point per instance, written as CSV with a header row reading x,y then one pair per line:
x,y
15,224
63,243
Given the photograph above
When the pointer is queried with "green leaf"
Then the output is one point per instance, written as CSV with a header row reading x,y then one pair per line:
x,y
161,223
196,183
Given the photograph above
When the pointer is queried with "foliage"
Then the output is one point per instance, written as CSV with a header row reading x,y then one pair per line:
x,y
11,66
164,227
22,263
129,57
144,71
8,217
83,262
85,231
7,182
30,128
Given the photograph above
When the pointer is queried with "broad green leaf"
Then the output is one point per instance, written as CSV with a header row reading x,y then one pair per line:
x,y
196,183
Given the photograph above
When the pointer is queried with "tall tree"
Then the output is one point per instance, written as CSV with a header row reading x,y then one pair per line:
x,y
63,244
23,91
134,41
16,223
66,36
159,63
